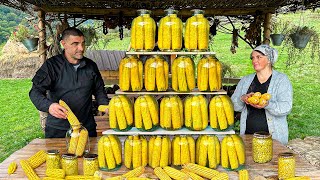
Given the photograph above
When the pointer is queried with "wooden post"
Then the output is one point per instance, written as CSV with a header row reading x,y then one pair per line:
x,y
42,36
267,28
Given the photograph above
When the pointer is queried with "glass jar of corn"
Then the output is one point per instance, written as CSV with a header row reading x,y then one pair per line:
x,y
90,164
77,138
69,163
53,159
286,165
262,147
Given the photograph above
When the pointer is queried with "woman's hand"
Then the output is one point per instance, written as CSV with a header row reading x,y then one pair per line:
x,y
244,98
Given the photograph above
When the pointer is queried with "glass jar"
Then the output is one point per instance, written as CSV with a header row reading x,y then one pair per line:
x,y
196,112
183,74
135,152
209,74
170,32
208,151
221,113
233,156
146,113
183,150
159,151
196,37
143,30
77,138
53,159
171,113
130,74
69,164
156,74
262,147
120,113
90,164
286,165
109,153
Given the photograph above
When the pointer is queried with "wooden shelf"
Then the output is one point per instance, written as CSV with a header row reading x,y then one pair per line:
x,y
168,53
169,92
160,131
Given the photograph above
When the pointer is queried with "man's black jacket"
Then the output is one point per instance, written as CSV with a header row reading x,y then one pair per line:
x,y
75,87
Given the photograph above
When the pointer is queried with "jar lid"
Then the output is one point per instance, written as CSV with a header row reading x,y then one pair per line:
x,y
197,11
53,151
69,156
90,156
171,11
262,134
143,11
286,155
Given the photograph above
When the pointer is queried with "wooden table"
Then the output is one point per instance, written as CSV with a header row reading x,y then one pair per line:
x,y
303,168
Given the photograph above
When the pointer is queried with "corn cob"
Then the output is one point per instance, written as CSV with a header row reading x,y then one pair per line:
x,y
198,141
156,152
219,74
243,174
240,149
174,73
140,68
116,148
137,114
212,154
189,67
204,111
120,114
176,174
150,149
128,149
300,178
203,32
73,120
218,149
124,74
181,72
213,76
166,74
193,176
102,108
83,138
136,152
203,75
52,178
175,113
37,159
55,173
111,163
176,32
146,116
187,34
149,32
188,111
101,155
135,172
160,36
153,109
160,74
133,34
228,108
112,114
184,148
222,119
196,114
165,151
201,170
138,178
167,110
213,113
221,176
166,34
199,68
139,30
176,151
115,178
203,151
12,168
225,163
28,170
150,71
144,151
73,143
128,109
161,174
192,148
134,75
82,177
193,33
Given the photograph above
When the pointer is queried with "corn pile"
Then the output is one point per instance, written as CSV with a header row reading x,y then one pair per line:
x,y
221,112
156,75
120,113
196,112
197,32
109,152
78,142
146,113
159,151
208,151
170,32
143,30
232,152
209,74
130,74
135,152
243,174
171,113
183,78
183,150
259,99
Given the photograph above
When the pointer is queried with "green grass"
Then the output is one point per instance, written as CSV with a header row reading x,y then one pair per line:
x,y
19,120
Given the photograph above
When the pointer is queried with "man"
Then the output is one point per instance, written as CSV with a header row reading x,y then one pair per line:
x,y
72,78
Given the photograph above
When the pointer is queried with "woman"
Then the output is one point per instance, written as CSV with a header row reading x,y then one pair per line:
x,y
272,116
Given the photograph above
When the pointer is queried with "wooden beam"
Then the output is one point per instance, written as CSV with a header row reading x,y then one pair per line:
x,y
42,36
267,28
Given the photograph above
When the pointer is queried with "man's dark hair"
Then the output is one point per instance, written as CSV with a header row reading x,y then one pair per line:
x,y
71,31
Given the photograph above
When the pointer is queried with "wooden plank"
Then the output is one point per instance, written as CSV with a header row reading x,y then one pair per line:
x,y
169,53
269,169
170,91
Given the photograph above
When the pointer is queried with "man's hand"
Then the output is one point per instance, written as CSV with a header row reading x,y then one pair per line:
x,y
107,111
58,111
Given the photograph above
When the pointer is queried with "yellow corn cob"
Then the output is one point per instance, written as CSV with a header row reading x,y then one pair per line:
x,y
150,70
153,109
138,178
73,120
115,178
300,178
193,176
102,108
188,112
101,156
166,33
221,176
137,114
201,170
120,114
82,177
213,113
224,153
74,140
222,119
204,111
12,168
83,138
121,67
175,174
52,178
187,34
150,149
140,68
149,32
112,114
180,109
128,109
136,152
161,112
243,174
28,170
189,67
176,32
111,163
125,78
176,151
146,116
116,148
175,113
135,172
166,74
37,159
228,108
167,113
134,75
203,75
147,86
160,32
184,148
193,33
218,149
174,74
128,149
169,151
56,173
219,74
192,148
182,80
203,151
196,113
161,174
133,34
160,75
139,30
198,141
212,154
156,152
240,149
213,77
164,156
203,32
144,151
